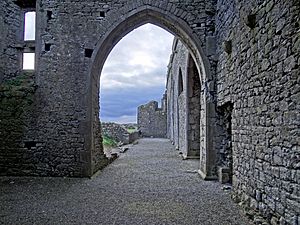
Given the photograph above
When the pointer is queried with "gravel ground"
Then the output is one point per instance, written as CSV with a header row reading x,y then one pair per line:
x,y
149,184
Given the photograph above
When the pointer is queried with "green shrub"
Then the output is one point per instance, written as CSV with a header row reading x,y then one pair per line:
x,y
109,142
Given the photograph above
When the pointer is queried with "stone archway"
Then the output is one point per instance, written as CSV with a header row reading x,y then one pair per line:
x,y
194,101
171,21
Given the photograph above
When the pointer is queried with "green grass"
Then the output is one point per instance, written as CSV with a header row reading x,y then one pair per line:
x,y
131,130
109,142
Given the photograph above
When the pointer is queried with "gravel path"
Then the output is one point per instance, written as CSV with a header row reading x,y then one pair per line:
x,y
149,184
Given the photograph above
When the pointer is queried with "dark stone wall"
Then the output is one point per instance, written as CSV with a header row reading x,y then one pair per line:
x,y
258,72
18,151
11,43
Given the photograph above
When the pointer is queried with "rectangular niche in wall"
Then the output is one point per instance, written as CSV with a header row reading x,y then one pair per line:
x,y
29,26
25,3
28,61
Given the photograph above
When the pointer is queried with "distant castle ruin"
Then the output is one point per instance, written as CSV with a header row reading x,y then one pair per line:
x,y
152,120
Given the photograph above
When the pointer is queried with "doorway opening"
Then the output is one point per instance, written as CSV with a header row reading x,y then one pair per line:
x,y
225,164
194,109
132,85
114,34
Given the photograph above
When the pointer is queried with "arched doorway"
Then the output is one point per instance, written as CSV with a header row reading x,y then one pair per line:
x,y
176,26
194,109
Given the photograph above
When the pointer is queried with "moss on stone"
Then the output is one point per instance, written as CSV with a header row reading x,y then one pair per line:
x,y
16,98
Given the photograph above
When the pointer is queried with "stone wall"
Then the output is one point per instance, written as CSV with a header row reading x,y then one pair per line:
x,y
247,57
73,39
176,86
184,101
115,131
152,121
256,129
134,136
18,151
11,40
258,46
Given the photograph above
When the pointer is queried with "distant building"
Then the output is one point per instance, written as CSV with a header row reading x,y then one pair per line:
x,y
152,120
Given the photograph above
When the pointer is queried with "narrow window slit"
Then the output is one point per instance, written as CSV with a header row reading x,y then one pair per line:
x,y
30,144
29,26
47,47
88,53
102,14
49,15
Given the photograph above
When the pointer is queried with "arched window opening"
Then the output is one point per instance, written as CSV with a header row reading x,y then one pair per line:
x,y
194,109
180,82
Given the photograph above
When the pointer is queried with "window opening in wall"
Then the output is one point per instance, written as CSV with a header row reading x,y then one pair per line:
x,y
28,61
49,15
29,26
180,82
102,14
88,53
225,169
251,21
47,47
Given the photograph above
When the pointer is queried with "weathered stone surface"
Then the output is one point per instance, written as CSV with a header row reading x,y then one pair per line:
x,y
71,45
184,101
53,129
115,131
257,79
152,121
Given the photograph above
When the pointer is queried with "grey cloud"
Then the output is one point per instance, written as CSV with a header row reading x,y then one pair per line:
x,y
135,73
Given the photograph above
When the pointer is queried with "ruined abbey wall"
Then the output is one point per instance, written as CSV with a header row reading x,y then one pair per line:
x,y
184,102
247,57
152,120
258,46
176,96
11,38
257,106
73,39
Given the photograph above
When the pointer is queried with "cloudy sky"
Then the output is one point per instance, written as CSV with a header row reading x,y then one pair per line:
x,y
134,73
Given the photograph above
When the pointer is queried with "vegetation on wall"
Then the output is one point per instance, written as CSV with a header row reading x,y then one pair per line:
x,y
109,141
16,98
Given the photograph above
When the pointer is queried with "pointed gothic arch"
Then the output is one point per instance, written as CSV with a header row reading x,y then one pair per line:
x,y
116,31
